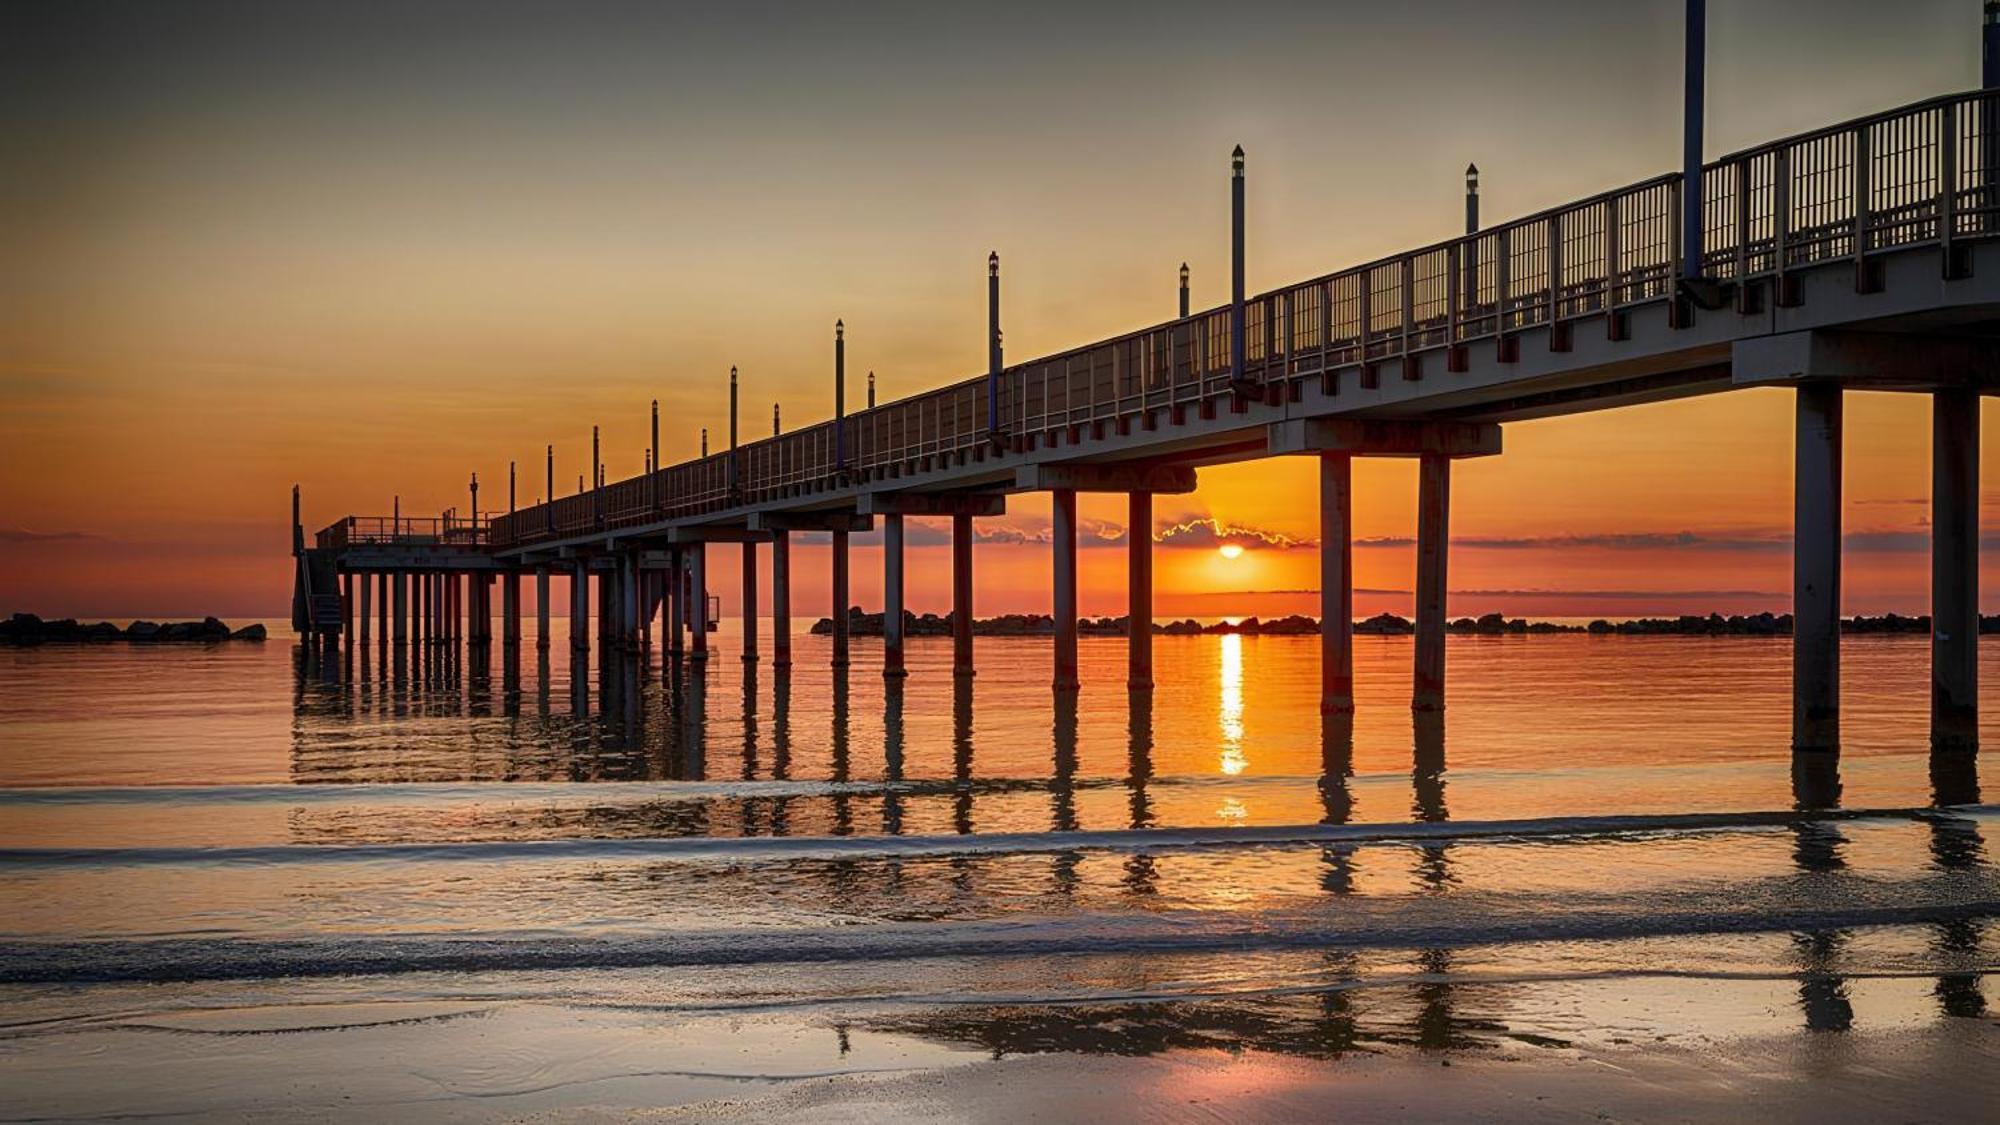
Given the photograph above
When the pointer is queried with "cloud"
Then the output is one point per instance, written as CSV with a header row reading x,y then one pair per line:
x,y
1213,533
27,535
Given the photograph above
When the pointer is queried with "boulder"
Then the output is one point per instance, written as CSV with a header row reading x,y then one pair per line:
x,y
143,631
254,632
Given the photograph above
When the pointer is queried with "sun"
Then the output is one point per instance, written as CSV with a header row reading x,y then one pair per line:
x,y
1231,550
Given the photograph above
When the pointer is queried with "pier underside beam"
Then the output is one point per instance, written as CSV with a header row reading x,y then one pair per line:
x,y
1362,437
1167,479
1816,569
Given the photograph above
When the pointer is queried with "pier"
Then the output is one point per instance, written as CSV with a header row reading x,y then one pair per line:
x,y
1860,256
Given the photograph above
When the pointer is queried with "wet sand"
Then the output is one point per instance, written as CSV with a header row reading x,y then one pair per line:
x,y
1948,1074
1648,1049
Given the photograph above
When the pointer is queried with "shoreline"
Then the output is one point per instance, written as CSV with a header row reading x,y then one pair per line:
x,y
862,624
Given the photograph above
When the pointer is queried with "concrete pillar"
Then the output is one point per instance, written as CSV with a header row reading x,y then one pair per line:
x,y
542,607
892,596
676,603
1066,675
961,594
347,603
365,581
698,601
781,599
1816,569
1433,550
840,599
420,625
382,610
579,607
400,619
510,607
1336,584
628,600
1139,591
1955,569
750,603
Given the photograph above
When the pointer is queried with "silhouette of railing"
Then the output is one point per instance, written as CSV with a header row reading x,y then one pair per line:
x,y
407,531
1926,173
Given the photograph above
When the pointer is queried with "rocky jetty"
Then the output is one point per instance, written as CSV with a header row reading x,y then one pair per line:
x,y
27,629
862,624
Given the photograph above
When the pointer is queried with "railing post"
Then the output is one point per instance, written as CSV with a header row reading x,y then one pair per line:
x,y
1947,208
1743,221
1863,206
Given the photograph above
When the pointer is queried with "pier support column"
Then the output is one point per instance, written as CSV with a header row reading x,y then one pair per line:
x,y
961,594
629,598
420,625
677,584
698,601
1139,592
365,581
542,608
400,619
781,599
1816,569
579,608
1064,511
510,608
347,604
840,599
892,596
750,603
1433,550
1336,584
382,606
1955,570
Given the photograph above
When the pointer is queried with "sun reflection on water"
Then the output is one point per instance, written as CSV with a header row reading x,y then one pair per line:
x,y
1230,712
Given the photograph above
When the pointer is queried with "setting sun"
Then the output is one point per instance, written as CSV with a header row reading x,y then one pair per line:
x,y
1231,550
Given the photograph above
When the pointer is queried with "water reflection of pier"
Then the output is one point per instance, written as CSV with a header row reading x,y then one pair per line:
x,y
443,713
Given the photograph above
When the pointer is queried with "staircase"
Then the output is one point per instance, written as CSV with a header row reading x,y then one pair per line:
x,y
316,604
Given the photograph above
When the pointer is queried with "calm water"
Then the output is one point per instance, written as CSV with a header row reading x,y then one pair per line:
x,y
936,867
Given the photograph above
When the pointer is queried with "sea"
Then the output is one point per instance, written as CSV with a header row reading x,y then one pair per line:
x,y
244,879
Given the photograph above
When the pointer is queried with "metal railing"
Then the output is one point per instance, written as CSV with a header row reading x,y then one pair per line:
x,y
407,531
1924,173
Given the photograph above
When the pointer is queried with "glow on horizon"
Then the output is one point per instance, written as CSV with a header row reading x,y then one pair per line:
x,y
233,275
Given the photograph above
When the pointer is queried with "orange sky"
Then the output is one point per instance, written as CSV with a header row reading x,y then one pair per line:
x,y
248,248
